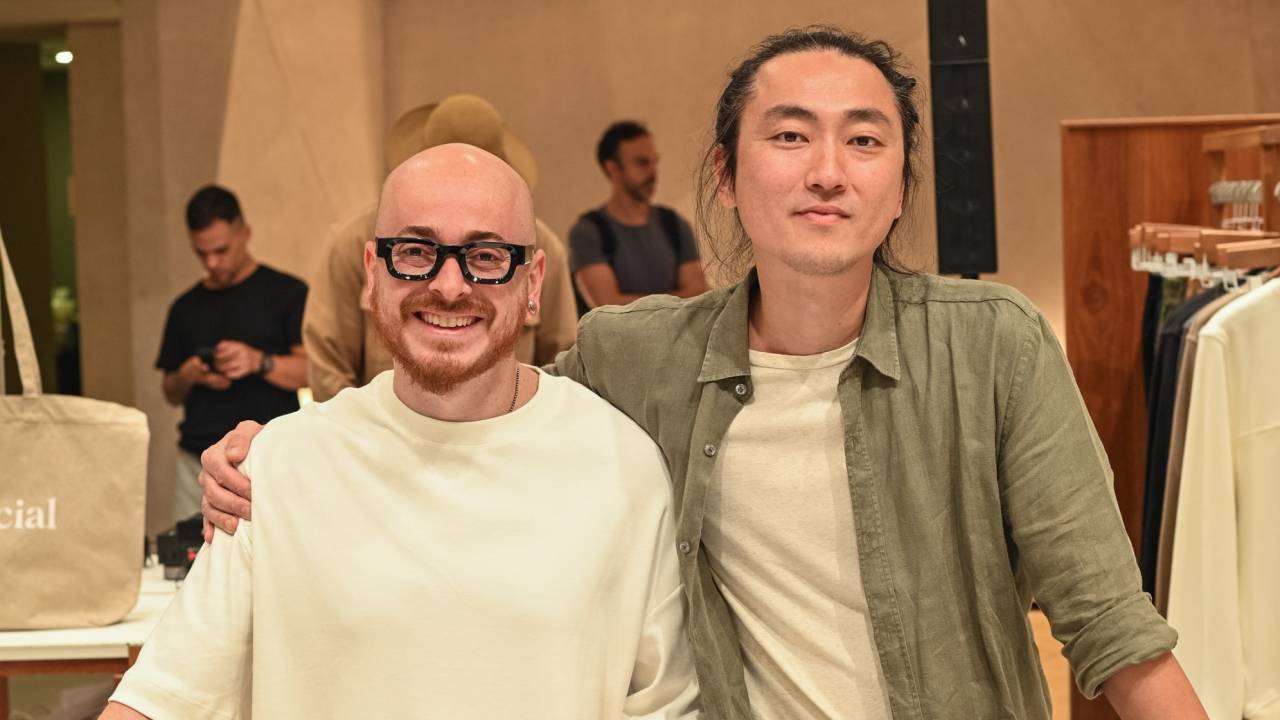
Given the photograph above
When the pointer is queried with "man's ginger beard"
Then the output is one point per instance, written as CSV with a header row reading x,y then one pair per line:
x,y
442,373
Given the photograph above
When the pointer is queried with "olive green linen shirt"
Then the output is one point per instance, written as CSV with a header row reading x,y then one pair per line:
x,y
977,481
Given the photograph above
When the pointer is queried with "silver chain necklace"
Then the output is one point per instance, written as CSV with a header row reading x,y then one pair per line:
x,y
516,395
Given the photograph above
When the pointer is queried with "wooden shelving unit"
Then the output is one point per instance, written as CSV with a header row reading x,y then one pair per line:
x,y
1115,174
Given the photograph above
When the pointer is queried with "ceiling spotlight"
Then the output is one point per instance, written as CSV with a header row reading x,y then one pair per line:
x,y
63,57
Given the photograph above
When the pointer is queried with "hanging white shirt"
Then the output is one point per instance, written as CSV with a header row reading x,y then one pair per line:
x,y
1224,585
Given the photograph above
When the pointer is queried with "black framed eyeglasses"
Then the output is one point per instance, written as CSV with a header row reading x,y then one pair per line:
x,y
483,262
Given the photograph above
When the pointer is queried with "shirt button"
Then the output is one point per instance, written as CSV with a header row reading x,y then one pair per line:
x,y
709,450
740,389
684,547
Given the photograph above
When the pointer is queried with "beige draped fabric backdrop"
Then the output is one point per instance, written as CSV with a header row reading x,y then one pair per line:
x,y
285,101
301,139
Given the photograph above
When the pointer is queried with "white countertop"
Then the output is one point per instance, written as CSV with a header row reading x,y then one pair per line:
x,y
100,643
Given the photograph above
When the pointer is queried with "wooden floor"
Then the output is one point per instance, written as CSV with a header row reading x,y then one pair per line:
x,y
1056,670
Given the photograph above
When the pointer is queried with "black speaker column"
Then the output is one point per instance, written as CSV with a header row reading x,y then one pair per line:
x,y
964,173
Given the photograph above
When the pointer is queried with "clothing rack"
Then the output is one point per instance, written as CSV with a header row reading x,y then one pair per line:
x,y
1208,255
1116,174
1262,143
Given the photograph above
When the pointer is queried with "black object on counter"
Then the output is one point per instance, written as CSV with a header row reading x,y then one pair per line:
x,y
177,548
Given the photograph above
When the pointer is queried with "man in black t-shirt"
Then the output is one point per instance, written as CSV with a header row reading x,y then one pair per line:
x,y
232,346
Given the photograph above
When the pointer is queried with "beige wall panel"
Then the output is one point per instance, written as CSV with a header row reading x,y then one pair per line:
x,y
1262,23
176,60
1053,61
560,72
99,205
148,266
302,139
28,13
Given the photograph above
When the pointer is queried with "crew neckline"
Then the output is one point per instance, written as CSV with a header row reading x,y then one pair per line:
x,y
251,276
420,428
648,220
776,361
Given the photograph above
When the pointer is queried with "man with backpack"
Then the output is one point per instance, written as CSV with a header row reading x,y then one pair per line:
x,y
630,247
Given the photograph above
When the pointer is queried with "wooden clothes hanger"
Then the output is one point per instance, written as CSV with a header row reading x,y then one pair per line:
x,y
1188,239
1147,234
1211,239
1223,249
1250,255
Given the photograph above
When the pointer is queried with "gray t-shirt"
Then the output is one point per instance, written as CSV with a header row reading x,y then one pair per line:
x,y
643,259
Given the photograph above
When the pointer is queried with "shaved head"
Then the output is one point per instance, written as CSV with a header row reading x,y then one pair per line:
x,y
447,331
463,177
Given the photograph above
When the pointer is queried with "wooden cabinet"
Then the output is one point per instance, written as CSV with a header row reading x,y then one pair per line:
x,y
1116,173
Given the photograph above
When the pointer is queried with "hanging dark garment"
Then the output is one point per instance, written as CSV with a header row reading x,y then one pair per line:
x,y
1150,326
1162,392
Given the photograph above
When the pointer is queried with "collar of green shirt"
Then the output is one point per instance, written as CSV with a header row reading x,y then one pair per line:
x,y
726,355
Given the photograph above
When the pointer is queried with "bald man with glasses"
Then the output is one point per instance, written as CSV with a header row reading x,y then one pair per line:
x,y
419,547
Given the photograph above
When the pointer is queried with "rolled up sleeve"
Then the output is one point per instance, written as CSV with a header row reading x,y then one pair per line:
x,y
1061,513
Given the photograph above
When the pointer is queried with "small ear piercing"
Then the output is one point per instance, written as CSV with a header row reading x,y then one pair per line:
x,y
532,306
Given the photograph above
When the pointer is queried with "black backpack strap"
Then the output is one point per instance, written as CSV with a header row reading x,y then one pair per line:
x,y
671,226
608,247
608,240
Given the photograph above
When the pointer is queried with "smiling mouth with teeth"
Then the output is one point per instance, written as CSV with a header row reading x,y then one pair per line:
x,y
446,322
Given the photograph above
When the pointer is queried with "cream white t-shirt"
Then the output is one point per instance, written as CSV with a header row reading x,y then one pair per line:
x,y
779,534
403,567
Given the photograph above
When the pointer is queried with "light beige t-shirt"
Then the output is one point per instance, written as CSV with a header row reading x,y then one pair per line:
x,y
403,567
779,534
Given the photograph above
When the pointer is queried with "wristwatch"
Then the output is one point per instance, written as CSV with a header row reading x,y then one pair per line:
x,y
268,362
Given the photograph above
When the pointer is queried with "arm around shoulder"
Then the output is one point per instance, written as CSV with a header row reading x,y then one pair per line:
x,y
573,363
582,362
226,490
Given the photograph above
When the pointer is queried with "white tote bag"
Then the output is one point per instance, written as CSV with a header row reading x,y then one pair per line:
x,y
73,475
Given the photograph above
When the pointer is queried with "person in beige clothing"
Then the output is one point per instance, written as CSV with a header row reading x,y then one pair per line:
x,y
420,548
345,350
